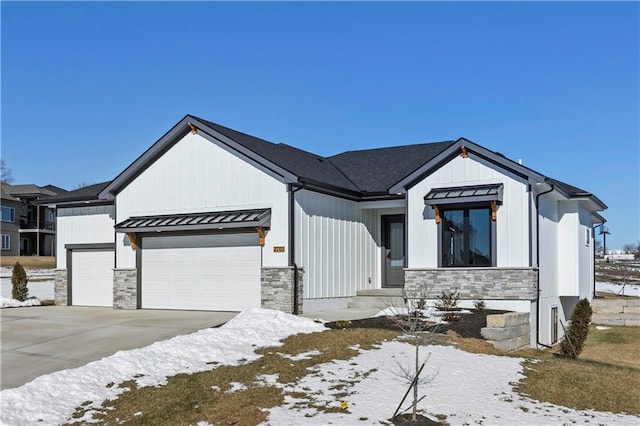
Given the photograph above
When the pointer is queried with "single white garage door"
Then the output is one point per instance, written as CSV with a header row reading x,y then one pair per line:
x,y
201,272
92,277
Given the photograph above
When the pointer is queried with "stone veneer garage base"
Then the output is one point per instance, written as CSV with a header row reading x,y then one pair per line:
x,y
276,288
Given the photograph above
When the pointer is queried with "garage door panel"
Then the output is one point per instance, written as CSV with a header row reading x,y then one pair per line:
x,y
92,278
201,272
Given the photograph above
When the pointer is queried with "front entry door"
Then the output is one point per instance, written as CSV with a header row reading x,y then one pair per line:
x,y
393,250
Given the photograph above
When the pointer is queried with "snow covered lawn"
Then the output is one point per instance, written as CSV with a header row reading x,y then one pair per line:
x,y
41,283
616,288
467,388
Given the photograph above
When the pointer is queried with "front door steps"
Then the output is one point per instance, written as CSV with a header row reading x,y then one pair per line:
x,y
377,299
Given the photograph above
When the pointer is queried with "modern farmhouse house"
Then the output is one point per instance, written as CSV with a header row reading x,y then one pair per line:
x,y
209,218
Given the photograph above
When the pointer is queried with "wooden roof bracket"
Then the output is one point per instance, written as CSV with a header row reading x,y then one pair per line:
x,y
494,210
260,230
465,154
437,210
132,239
192,127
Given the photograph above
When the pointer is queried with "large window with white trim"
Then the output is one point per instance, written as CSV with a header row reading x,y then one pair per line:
x,y
466,237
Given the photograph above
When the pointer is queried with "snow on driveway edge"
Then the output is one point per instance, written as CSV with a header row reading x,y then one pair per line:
x,y
53,398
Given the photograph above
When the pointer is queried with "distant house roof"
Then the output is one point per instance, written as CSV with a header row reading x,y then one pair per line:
x,y
85,194
5,195
28,190
55,189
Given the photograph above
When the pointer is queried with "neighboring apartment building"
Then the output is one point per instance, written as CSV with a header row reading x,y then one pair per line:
x,y
10,225
37,223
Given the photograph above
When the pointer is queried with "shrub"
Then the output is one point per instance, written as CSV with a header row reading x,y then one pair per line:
x,y
19,281
448,302
576,335
479,305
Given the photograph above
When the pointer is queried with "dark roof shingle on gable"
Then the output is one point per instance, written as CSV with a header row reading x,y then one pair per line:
x,y
377,170
294,160
86,193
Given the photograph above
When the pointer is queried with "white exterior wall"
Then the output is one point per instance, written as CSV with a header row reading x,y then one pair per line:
x,y
199,174
512,224
568,240
82,225
585,254
337,244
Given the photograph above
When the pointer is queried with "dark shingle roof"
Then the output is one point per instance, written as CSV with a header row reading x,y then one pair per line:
x,y
377,170
5,195
294,160
572,191
27,189
86,193
56,189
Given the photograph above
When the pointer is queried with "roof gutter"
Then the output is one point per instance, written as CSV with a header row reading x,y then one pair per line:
x,y
538,265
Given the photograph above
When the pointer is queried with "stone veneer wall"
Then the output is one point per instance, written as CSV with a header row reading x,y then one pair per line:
x,y
475,283
277,288
125,289
60,287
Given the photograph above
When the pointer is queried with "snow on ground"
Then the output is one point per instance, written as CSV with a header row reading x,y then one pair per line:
x,y
52,398
468,388
13,303
41,283
626,290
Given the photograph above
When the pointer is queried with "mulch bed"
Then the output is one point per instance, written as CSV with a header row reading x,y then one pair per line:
x,y
468,325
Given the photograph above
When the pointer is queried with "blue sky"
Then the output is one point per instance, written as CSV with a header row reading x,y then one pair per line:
x,y
87,87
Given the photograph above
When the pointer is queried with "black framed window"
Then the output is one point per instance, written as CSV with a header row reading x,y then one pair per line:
x,y
467,235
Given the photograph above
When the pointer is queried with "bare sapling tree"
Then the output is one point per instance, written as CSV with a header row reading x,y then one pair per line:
x,y
414,318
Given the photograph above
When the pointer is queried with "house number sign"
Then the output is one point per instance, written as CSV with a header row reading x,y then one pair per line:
x,y
278,249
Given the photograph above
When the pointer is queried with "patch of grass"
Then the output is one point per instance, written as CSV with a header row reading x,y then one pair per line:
x,y
190,398
606,376
29,262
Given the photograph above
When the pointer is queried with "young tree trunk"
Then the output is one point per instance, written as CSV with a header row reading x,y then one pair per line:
x,y
414,415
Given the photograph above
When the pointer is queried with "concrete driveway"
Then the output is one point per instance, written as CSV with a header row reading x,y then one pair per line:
x,y
43,339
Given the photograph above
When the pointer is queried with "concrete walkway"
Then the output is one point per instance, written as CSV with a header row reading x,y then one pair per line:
x,y
343,314
43,339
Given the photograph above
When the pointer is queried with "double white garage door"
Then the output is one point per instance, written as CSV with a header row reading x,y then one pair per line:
x,y
195,272
201,272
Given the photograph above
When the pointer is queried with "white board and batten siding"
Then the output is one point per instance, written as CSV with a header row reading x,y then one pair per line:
x,y
83,225
337,245
199,174
512,221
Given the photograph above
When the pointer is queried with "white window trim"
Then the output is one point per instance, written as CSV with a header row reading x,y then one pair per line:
x,y
8,239
13,214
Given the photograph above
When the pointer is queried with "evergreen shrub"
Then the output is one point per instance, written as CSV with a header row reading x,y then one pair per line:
x,y
576,335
